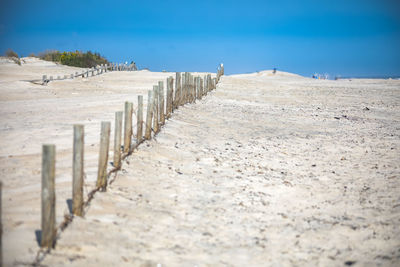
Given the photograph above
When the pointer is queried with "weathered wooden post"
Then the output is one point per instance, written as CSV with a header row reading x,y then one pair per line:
x,y
149,115
172,95
214,83
197,87
1,228
103,156
44,78
176,101
200,88
117,139
161,101
77,170
208,82
193,89
169,96
190,87
48,196
187,87
183,95
139,123
128,126
156,108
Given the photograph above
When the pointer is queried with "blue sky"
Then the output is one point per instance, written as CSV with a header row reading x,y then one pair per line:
x,y
348,38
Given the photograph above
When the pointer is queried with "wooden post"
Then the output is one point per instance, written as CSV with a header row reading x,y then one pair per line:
x,y
189,85
1,228
187,78
161,101
44,78
168,103
128,126
193,82
170,94
194,85
200,88
205,85
103,156
197,84
77,170
149,115
214,83
190,88
171,108
156,108
176,100
117,139
183,100
48,196
139,123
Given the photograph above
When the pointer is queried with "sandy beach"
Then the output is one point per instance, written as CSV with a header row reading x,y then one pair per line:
x,y
267,170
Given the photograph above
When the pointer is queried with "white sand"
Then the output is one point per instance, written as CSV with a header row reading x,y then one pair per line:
x,y
258,173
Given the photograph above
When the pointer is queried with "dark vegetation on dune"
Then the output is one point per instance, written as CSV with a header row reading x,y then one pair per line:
x,y
13,55
75,59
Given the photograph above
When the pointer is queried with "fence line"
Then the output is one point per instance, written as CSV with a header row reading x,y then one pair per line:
x,y
97,70
188,89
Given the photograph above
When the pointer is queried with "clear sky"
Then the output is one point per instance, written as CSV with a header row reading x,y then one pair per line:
x,y
339,37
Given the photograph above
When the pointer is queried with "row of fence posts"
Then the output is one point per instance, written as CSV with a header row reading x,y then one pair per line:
x,y
103,68
187,89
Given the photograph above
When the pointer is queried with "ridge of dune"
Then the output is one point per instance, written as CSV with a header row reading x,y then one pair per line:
x,y
268,74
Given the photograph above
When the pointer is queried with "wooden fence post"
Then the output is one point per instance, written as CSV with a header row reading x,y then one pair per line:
x,y
117,139
205,85
170,94
183,102
200,88
198,92
149,115
195,88
77,170
190,88
193,83
1,228
187,87
103,156
139,123
176,101
156,108
161,101
208,82
48,196
128,126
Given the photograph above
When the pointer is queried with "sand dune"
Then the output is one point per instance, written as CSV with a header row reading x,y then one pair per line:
x,y
266,170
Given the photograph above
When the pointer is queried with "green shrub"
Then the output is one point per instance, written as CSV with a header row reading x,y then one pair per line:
x,y
11,53
75,59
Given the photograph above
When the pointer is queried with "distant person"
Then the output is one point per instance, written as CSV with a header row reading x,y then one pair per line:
x,y
274,71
